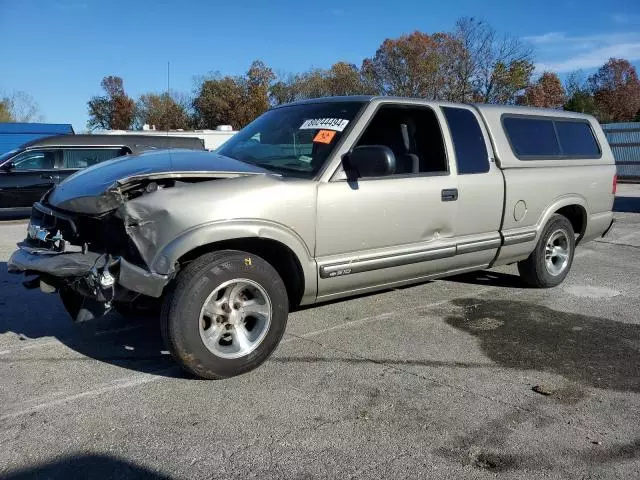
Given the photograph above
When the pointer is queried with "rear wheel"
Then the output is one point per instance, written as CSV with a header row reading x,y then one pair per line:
x,y
550,262
225,314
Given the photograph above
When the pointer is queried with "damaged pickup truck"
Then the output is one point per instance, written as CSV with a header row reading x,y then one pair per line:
x,y
315,201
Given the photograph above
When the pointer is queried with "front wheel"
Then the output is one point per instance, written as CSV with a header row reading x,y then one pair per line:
x,y
550,262
225,314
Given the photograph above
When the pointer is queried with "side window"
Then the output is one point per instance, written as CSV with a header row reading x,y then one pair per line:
x,y
550,138
85,157
468,141
35,160
532,137
414,136
576,139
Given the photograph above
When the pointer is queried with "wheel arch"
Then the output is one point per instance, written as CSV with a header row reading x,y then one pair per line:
x,y
574,208
276,244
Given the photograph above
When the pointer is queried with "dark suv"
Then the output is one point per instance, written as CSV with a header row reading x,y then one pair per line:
x,y
27,172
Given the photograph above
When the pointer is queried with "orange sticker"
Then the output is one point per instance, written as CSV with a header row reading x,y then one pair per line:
x,y
324,136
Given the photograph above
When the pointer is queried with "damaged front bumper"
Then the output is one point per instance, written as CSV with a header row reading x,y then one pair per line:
x,y
57,262
75,265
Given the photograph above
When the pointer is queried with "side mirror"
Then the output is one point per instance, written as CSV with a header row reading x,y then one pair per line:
x,y
370,161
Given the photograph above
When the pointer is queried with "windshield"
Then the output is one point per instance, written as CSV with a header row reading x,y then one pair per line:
x,y
294,140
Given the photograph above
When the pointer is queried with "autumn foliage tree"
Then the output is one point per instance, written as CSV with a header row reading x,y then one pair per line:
x,y
19,107
5,113
472,63
492,68
165,111
256,86
546,92
414,65
341,79
579,97
113,111
616,91
233,100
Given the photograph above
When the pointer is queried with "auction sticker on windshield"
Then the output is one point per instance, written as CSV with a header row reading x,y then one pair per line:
x,y
324,136
337,124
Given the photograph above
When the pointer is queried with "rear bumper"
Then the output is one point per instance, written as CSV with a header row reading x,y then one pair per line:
x,y
597,225
65,266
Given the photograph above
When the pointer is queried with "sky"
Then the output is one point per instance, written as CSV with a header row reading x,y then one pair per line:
x,y
58,51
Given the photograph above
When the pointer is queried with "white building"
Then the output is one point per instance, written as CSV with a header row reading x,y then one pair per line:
x,y
212,138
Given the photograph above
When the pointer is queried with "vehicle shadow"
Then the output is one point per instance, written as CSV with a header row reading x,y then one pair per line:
x,y
299,308
626,204
489,278
590,351
131,343
82,466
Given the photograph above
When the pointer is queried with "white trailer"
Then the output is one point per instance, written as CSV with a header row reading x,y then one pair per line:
x,y
212,138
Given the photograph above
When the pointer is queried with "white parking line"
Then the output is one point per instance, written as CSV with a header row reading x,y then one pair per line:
x,y
143,378
383,316
125,382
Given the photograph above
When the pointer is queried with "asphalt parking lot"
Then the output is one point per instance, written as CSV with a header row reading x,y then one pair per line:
x,y
431,381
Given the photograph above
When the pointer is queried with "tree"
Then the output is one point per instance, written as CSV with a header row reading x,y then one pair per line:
x,y
258,81
578,95
616,91
547,92
341,79
19,107
220,101
284,89
165,111
233,100
113,111
492,68
5,112
345,79
414,65
312,84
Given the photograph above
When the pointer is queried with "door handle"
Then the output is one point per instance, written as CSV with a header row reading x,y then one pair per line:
x,y
450,195
46,176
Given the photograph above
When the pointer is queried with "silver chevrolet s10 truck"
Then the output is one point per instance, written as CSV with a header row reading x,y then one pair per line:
x,y
314,201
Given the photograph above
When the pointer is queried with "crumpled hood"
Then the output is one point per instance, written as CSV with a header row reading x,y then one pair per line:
x,y
77,192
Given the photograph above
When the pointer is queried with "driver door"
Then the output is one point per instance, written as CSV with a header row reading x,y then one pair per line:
x,y
383,231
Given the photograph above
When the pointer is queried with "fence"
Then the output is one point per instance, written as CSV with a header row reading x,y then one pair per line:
x,y
624,139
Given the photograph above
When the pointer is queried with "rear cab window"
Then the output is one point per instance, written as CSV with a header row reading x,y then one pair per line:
x,y
576,138
469,143
550,138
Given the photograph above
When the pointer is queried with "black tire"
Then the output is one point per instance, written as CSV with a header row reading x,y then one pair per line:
x,y
72,301
180,316
534,270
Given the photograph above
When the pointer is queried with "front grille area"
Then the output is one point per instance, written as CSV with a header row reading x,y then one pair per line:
x,y
47,228
103,234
